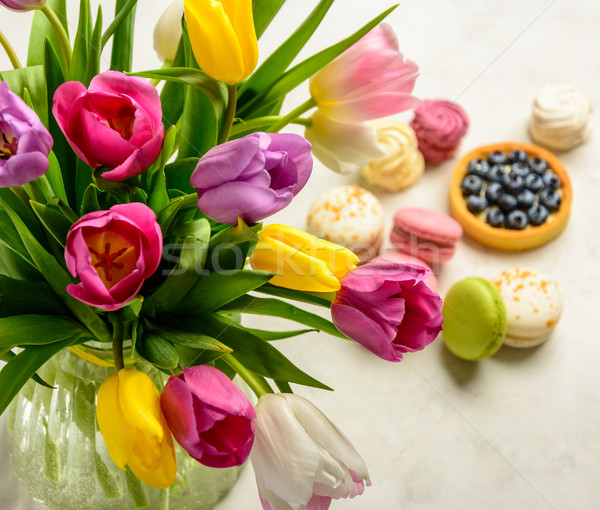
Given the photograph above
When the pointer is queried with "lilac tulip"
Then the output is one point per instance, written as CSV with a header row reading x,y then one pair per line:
x,y
209,416
388,308
252,177
24,141
23,5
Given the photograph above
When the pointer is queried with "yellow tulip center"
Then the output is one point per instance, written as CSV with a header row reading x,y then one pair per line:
x,y
113,257
8,146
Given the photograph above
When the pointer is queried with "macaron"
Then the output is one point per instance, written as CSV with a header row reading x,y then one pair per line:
x,y
350,216
474,319
533,305
405,259
428,235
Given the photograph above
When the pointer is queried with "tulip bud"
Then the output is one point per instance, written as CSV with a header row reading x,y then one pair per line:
x,y
300,260
167,31
23,5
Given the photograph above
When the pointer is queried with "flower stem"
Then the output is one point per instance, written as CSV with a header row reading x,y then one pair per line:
x,y
14,60
257,384
293,115
117,325
229,114
302,121
254,123
61,33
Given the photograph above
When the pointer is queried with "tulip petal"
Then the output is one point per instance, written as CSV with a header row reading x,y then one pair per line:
x,y
23,168
298,150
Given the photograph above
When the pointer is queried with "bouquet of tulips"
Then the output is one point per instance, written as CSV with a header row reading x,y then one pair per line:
x,y
131,218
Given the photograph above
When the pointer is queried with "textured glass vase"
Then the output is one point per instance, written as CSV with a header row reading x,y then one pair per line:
x,y
59,454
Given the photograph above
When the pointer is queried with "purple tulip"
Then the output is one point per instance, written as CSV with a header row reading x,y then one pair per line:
x,y
388,308
252,177
23,5
24,142
209,416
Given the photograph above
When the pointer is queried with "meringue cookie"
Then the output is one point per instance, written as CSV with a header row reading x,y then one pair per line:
x,y
561,117
402,164
350,216
440,125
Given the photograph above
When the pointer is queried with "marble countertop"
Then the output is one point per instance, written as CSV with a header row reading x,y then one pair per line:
x,y
520,429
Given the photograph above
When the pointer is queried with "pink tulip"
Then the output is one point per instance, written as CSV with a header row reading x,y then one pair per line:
x,y
388,308
115,123
112,253
209,416
371,79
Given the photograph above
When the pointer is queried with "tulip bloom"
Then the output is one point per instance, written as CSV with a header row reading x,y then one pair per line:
x,y
371,79
388,308
115,123
112,253
252,177
223,37
167,31
24,141
300,459
134,428
23,5
209,416
301,260
342,146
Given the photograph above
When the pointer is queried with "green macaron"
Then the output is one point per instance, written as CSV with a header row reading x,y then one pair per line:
x,y
474,319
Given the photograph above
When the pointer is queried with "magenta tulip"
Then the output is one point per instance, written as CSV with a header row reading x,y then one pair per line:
x,y
116,123
388,308
23,5
24,141
371,79
209,416
252,177
112,253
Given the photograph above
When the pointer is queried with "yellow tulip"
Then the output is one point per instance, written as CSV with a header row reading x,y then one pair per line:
x,y
134,428
223,37
301,260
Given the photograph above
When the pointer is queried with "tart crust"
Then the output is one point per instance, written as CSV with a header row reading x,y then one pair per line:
x,y
503,238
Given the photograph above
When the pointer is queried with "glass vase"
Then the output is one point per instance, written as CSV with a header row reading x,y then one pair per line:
x,y
59,454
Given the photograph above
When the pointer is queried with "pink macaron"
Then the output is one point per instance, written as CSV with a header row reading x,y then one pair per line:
x,y
405,259
428,235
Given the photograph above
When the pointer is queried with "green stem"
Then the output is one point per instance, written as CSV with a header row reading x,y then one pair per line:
x,y
251,124
302,121
117,325
189,201
293,115
14,60
61,33
257,384
229,114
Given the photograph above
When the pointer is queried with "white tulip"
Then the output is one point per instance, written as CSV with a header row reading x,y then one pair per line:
x,y
341,146
167,31
300,459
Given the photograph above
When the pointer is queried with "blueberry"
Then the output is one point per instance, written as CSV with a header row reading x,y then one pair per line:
x,y
507,203
525,199
534,182
519,168
496,173
518,155
550,199
471,185
476,204
479,167
551,180
513,183
538,165
517,220
493,192
497,158
538,214
494,217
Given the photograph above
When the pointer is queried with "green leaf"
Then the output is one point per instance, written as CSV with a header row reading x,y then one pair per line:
x,y
90,201
314,298
14,266
23,211
158,351
230,247
263,13
95,50
178,174
283,56
55,178
167,215
42,29
173,93
9,237
23,366
199,126
304,70
32,79
122,47
54,221
253,352
19,297
278,335
32,329
118,21
277,308
81,45
158,194
189,339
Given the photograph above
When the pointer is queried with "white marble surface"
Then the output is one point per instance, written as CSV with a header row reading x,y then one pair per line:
x,y
520,429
